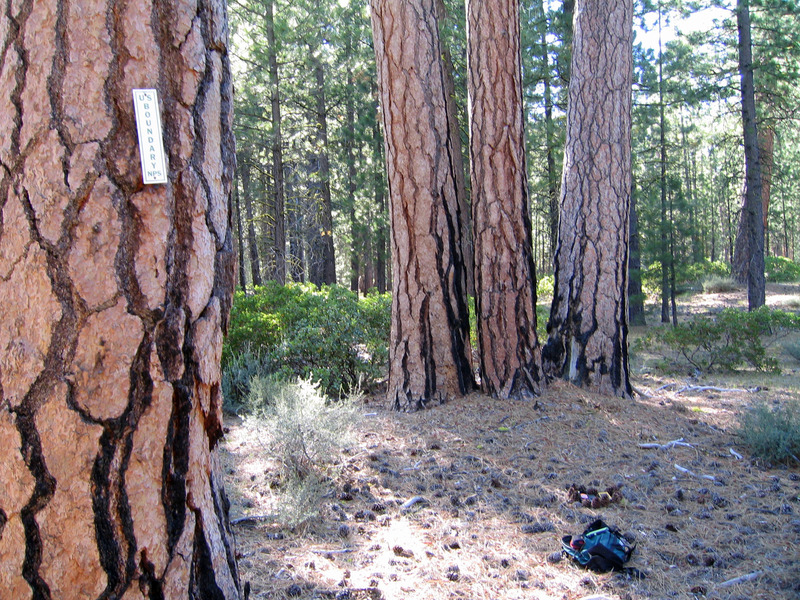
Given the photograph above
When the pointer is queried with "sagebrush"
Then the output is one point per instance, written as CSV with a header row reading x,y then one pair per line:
x,y
772,433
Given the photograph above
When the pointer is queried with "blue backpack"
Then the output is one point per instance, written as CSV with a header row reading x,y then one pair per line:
x,y
601,548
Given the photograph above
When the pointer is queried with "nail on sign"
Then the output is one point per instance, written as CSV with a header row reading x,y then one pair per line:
x,y
151,143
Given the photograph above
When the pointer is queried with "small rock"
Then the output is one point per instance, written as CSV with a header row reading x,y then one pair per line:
x,y
554,557
521,575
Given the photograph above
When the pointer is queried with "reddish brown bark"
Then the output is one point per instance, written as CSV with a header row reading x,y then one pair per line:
x,y
505,277
588,328
114,297
429,349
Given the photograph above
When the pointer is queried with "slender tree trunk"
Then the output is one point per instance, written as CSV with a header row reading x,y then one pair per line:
x,y
666,224
505,276
552,175
429,352
252,241
279,225
380,204
588,331
295,227
748,263
635,295
114,297
239,236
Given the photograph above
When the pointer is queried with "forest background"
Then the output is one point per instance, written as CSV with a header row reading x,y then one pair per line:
x,y
311,200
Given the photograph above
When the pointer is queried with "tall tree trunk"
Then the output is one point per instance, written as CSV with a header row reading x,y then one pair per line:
x,y
279,225
295,227
588,331
114,297
429,351
381,233
239,236
252,241
505,275
552,176
635,295
325,211
748,261
458,156
666,225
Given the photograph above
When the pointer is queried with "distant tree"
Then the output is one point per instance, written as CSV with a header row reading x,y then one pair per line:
x,y
505,275
588,329
748,259
429,351
114,297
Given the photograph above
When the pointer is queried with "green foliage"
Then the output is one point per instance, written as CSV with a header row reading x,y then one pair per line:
x,y
729,340
781,270
702,270
545,287
772,434
306,433
793,350
714,284
296,330
237,374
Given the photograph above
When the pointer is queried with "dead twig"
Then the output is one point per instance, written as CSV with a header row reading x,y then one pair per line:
x,y
693,474
251,518
742,579
666,446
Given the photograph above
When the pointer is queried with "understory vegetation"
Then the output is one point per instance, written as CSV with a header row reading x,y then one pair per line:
x,y
295,354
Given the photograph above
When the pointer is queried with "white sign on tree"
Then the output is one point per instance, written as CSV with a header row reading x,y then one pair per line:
x,y
151,142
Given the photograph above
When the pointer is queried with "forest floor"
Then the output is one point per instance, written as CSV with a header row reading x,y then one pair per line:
x,y
491,481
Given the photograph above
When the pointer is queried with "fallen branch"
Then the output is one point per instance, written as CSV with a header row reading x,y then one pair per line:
x,y
735,454
409,504
693,474
250,518
340,551
742,579
666,446
711,388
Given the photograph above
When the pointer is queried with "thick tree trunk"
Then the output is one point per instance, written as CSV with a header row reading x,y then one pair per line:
x,y
748,261
505,276
429,352
587,328
279,224
114,297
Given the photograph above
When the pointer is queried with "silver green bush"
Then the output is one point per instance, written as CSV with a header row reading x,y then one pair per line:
x,y
772,434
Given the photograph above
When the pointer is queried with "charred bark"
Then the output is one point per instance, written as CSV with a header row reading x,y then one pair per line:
x,y
505,276
429,352
588,329
114,297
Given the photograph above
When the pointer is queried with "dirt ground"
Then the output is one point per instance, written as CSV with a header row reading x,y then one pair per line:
x,y
469,500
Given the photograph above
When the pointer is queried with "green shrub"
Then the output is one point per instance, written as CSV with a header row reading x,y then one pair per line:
x,y
687,277
714,284
772,434
781,270
793,350
545,287
237,374
325,334
306,433
729,340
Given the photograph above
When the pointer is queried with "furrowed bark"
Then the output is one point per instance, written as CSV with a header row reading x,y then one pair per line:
x,y
505,276
587,342
114,297
429,352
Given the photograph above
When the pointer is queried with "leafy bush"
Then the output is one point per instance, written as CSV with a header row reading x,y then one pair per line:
x,y
732,338
306,433
686,276
327,335
772,434
781,270
545,287
714,284
237,374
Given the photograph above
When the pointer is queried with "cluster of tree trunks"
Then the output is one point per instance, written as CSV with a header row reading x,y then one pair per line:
x,y
114,297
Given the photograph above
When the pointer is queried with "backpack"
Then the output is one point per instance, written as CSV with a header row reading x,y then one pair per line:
x,y
601,548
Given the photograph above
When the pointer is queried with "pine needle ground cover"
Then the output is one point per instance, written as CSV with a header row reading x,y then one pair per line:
x,y
469,500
